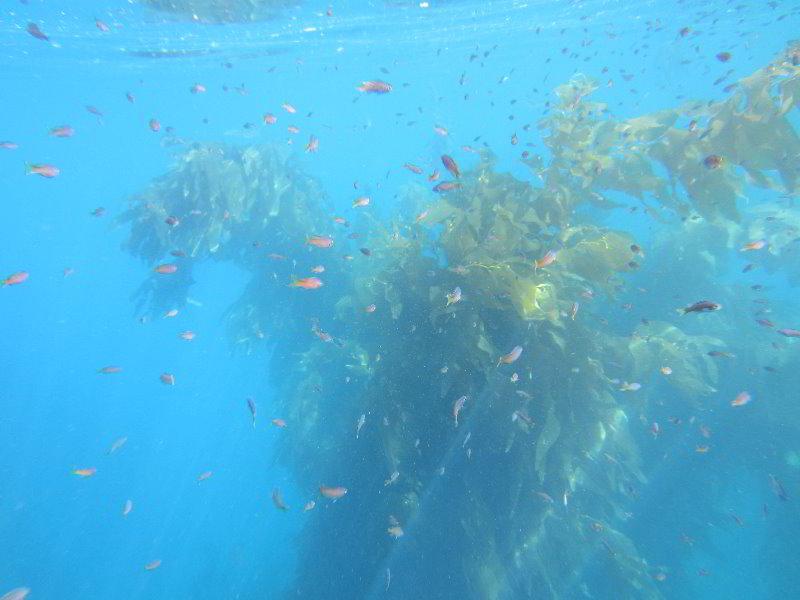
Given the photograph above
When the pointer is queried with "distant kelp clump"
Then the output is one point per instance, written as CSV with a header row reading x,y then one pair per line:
x,y
223,11
222,202
710,150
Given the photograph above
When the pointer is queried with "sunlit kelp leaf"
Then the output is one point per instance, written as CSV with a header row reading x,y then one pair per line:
x,y
533,300
658,344
595,255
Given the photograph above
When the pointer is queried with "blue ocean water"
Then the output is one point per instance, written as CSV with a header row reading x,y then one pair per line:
x,y
484,71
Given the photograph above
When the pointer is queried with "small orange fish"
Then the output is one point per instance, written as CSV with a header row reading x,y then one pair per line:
x,y
334,493
548,259
438,130
421,216
318,269
413,168
309,506
434,176
702,449
757,245
171,313
88,472
15,279
370,308
292,129
279,422
269,119
166,269
395,531
666,371
203,476
511,356
288,108
167,379
363,201
308,283
319,241
153,565
186,335
154,125
313,144
742,399
713,161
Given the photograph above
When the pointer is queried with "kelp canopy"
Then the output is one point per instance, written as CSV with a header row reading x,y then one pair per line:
x,y
222,11
518,475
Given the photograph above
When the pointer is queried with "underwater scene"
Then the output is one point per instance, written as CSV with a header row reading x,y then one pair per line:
x,y
400,299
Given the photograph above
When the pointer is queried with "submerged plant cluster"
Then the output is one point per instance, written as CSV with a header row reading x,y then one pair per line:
x,y
507,476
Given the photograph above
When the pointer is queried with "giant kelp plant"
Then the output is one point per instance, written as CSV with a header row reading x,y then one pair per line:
x,y
474,470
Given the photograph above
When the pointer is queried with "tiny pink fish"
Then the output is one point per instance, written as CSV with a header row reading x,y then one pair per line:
x,y
334,493
198,88
62,131
742,399
375,86
789,332
48,171
451,165
101,26
446,186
